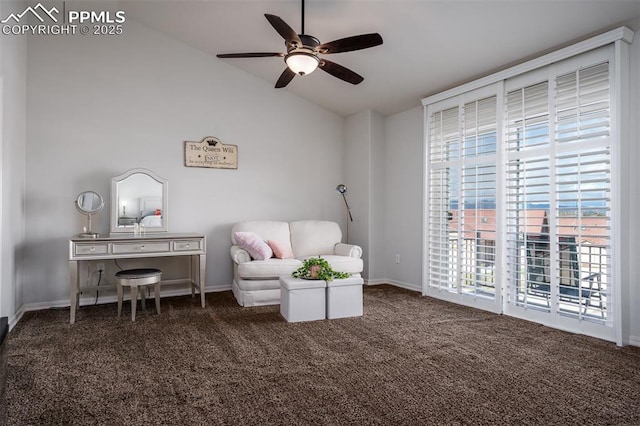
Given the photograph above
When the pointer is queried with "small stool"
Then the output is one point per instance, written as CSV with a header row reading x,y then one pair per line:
x,y
302,300
135,278
344,298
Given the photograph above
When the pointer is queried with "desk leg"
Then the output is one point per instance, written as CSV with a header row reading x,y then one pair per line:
x,y
74,289
193,274
202,261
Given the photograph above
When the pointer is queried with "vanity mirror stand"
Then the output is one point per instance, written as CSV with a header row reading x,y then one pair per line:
x,y
89,203
139,200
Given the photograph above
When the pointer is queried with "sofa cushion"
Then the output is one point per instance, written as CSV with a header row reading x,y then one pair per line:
x,y
270,268
341,263
267,229
281,249
257,248
314,237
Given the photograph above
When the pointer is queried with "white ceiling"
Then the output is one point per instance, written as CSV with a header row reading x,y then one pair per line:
x,y
428,45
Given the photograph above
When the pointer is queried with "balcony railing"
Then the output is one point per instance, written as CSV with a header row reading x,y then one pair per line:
x,y
581,273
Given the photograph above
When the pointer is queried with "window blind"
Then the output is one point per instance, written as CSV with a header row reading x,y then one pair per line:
x,y
527,231
462,198
558,194
527,117
583,192
582,104
444,145
444,136
527,193
441,248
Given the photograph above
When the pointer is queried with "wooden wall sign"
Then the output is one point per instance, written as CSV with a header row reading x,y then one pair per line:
x,y
210,153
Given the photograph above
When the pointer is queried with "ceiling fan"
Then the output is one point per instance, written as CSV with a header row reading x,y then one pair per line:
x,y
303,52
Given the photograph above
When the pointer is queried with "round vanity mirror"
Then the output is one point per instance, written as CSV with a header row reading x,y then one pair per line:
x,y
89,203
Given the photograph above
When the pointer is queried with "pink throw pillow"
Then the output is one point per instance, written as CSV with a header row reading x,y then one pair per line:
x,y
254,245
281,249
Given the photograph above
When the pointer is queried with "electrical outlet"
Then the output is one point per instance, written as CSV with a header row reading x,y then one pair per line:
x,y
397,258
100,267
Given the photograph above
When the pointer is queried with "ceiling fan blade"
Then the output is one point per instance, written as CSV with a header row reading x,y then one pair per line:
x,y
283,29
249,55
286,76
348,44
341,72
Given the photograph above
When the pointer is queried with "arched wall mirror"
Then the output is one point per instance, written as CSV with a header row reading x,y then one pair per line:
x,y
139,199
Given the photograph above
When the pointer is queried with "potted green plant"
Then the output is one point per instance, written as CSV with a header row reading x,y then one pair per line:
x,y
316,268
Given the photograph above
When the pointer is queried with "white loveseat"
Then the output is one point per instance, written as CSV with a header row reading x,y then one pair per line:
x,y
256,282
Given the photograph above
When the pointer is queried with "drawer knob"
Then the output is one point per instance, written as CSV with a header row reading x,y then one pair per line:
x,y
92,248
186,245
142,247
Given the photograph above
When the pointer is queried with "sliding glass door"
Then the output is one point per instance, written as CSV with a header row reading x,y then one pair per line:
x,y
461,221
558,195
518,215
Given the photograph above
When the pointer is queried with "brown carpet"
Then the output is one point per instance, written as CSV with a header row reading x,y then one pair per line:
x,y
410,360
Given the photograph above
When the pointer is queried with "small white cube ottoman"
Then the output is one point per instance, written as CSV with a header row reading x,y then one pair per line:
x,y
344,298
302,300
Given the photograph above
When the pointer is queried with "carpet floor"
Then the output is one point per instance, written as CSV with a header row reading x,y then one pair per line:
x,y
409,360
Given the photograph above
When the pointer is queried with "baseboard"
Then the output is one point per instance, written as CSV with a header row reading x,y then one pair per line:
x,y
375,282
634,340
65,303
16,317
407,286
396,283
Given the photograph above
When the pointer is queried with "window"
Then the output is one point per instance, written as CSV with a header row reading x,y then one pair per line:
x,y
519,193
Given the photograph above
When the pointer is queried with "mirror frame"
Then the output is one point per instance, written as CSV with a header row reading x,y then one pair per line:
x,y
89,212
115,228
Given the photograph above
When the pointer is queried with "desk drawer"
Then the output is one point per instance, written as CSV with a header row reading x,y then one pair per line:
x,y
187,245
142,247
91,249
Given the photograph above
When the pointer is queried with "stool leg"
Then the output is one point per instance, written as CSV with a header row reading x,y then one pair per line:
x,y
134,301
119,289
156,292
143,296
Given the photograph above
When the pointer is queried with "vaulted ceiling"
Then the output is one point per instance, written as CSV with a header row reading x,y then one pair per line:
x,y
429,45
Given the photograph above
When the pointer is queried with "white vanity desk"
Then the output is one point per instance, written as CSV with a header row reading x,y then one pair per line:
x,y
126,246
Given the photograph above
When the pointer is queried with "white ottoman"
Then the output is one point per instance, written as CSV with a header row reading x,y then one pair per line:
x,y
302,300
344,298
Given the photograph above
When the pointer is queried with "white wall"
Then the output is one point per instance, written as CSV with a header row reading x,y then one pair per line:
x,y
98,106
377,195
384,176
13,62
403,198
357,154
364,171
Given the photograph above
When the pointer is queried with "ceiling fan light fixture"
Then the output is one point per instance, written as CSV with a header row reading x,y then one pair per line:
x,y
302,63
303,52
